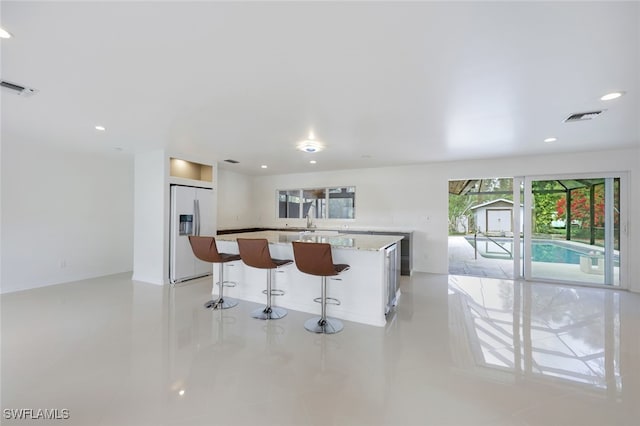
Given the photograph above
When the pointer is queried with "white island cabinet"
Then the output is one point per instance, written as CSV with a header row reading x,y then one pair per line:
x,y
365,290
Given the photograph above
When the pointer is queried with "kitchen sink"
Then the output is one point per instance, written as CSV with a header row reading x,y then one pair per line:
x,y
319,232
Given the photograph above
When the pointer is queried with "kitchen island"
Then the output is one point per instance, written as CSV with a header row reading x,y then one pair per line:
x,y
405,245
366,291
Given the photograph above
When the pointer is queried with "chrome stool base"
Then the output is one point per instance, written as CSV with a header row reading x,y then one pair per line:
x,y
225,303
328,326
268,313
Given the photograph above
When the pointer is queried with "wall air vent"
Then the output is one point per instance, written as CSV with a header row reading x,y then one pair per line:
x,y
18,89
583,116
231,161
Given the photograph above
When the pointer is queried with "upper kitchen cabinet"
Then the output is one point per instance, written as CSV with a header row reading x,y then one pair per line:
x,y
190,170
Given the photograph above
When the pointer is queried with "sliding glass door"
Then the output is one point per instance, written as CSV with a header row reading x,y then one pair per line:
x,y
572,229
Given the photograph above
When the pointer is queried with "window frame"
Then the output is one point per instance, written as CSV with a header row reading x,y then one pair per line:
x,y
320,216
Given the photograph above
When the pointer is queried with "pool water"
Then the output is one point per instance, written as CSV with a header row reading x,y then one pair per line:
x,y
542,251
549,252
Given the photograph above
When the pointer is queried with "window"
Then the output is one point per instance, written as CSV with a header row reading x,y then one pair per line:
x,y
313,203
289,203
342,202
318,203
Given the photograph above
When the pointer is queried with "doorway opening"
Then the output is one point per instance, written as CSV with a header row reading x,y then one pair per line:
x,y
563,228
481,227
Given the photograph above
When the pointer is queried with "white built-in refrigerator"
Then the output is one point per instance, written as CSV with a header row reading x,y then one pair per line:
x,y
193,212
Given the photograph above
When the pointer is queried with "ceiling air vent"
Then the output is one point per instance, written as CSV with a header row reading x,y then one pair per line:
x,y
231,161
18,89
582,116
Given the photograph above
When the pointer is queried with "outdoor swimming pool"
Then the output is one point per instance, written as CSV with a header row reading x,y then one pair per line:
x,y
554,253
541,250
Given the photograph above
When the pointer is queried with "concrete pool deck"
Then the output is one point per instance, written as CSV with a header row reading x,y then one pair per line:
x,y
462,262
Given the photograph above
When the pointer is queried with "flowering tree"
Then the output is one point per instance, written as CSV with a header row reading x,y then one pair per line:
x,y
580,207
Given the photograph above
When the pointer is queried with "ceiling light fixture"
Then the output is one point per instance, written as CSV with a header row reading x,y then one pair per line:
x,y
548,140
313,162
101,128
610,96
264,166
4,33
310,144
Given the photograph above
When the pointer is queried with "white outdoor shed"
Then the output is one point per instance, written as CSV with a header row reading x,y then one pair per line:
x,y
496,217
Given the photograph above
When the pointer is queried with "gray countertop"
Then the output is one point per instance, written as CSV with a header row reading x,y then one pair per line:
x,y
337,240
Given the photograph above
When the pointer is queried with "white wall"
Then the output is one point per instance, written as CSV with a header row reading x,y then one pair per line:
x,y
1,198
65,216
416,197
391,198
150,215
236,208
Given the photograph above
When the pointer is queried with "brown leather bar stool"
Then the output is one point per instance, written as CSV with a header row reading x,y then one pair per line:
x,y
206,250
255,253
315,259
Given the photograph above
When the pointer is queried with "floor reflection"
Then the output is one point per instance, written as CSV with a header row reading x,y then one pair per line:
x,y
196,337
536,331
509,354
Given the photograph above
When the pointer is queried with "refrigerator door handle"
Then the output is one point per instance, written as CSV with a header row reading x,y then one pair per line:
x,y
196,209
199,218
195,218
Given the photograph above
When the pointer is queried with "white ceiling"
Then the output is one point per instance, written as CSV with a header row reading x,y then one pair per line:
x,y
378,83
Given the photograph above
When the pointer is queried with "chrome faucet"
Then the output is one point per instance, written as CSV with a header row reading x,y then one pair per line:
x,y
309,218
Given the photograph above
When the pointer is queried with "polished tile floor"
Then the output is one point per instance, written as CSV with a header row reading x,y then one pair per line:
x,y
458,351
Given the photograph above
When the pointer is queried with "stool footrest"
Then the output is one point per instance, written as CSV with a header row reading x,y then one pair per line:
x,y
330,300
228,283
275,292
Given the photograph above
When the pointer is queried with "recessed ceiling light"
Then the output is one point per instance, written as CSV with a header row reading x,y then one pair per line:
x,y
310,144
101,128
550,140
181,392
264,166
610,96
4,33
312,161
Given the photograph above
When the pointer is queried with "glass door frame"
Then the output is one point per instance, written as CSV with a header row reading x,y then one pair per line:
x,y
522,261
